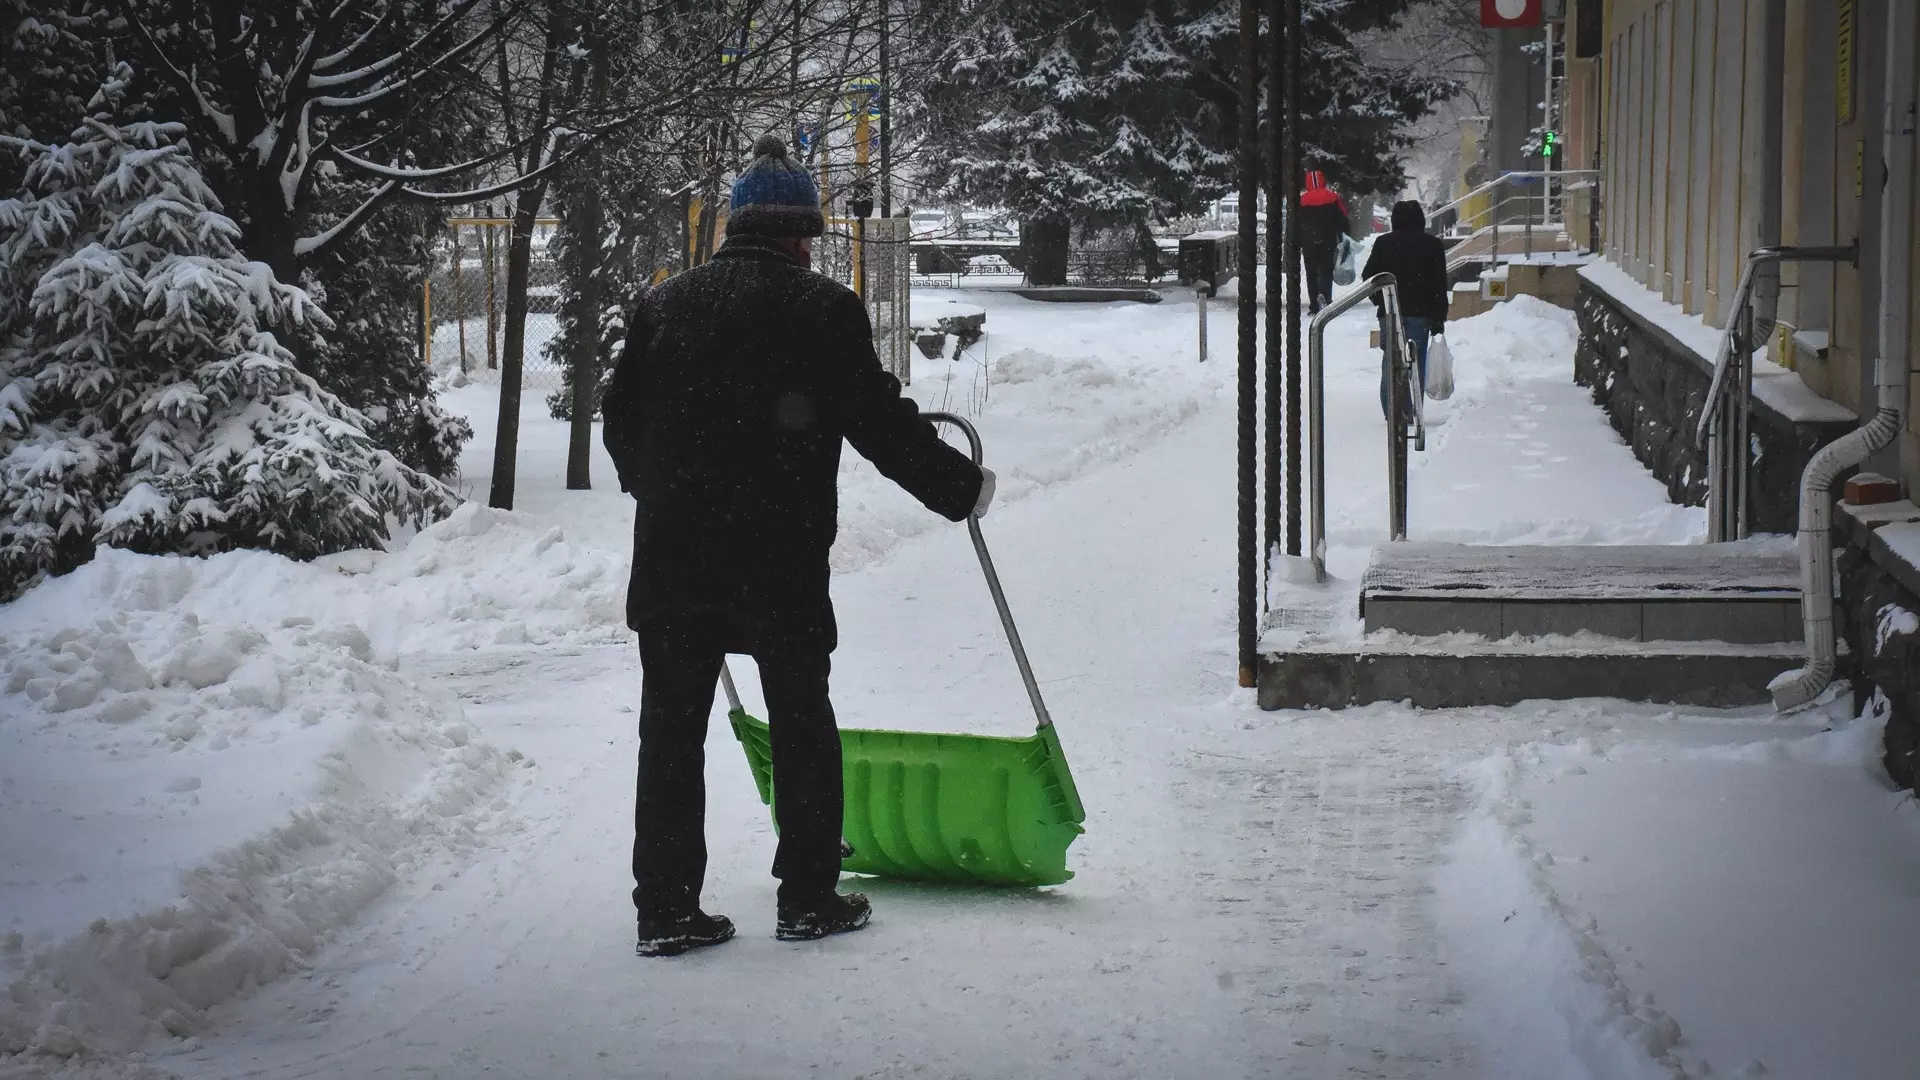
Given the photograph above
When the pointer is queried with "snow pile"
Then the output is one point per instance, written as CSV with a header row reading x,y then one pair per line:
x,y
480,577
194,804
1731,898
1046,419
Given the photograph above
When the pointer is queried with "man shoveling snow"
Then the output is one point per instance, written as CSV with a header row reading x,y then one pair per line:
x,y
739,379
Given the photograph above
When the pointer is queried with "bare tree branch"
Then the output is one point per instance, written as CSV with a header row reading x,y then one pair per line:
x,y
308,246
220,123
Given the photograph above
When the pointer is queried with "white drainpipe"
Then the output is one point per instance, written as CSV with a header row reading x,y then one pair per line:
x,y
1796,688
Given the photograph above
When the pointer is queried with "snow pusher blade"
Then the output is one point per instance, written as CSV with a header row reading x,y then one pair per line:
x,y
933,807
927,806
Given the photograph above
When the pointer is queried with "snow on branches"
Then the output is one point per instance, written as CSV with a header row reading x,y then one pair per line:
x,y
146,398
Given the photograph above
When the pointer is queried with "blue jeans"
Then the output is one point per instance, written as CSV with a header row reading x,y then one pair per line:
x,y
1417,331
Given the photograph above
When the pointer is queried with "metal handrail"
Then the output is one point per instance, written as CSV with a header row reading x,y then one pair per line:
x,y
1394,338
1543,174
1728,460
1457,257
1587,178
1742,296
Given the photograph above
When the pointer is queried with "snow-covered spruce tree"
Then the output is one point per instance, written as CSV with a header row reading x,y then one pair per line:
x,y
1072,115
146,398
370,285
1359,111
308,78
38,79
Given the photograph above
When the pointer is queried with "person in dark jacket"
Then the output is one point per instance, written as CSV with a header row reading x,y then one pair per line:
x,y
1323,224
724,419
1418,262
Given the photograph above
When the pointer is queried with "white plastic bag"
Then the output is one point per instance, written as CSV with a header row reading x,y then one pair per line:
x,y
1344,270
1439,368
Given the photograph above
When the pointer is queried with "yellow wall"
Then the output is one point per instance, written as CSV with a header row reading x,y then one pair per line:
x,y
1675,103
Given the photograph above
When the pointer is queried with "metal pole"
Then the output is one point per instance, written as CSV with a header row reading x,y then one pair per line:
x,y
1279,254
862,132
1499,207
459,301
493,307
886,110
1200,304
1043,718
1743,441
1593,216
1526,226
1247,639
1393,338
1296,33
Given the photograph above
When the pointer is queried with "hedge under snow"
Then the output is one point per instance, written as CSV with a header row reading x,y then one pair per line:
x,y
145,399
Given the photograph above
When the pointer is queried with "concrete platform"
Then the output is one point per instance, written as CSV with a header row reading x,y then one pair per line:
x,y
1442,673
1088,294
1646,594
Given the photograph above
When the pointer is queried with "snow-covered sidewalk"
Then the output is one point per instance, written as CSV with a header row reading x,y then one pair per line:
x,y
1377,892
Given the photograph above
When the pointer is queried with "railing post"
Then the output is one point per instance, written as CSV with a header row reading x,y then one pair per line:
x,y
1743,431
1392,338
1526,225
1378,285
1493,255
1593,216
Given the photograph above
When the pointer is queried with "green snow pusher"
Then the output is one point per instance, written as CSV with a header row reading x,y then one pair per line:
x,y
925,806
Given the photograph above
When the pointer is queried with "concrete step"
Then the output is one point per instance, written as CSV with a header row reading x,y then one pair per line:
x,y
1695,593
1440,673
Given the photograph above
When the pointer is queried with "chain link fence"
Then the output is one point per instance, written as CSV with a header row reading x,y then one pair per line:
x,y
873,257
464,303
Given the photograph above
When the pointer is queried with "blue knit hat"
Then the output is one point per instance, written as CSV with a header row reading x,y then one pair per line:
x,y
774,196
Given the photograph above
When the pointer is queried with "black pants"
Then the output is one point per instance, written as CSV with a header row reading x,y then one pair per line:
x,y
1319,281
680,655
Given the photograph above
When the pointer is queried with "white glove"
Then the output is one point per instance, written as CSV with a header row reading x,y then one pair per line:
x,y
986,493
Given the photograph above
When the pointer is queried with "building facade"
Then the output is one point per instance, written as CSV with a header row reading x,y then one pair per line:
x,y
1720,127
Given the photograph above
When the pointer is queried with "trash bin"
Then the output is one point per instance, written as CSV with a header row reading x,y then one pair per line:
x,y
1209,260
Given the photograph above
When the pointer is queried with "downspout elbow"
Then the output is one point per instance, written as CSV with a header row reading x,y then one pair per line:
x,y
1792,689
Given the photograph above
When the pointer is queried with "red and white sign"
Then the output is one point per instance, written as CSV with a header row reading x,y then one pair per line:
x,y
1510,14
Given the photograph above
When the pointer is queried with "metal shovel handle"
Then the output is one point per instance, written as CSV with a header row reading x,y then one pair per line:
x,y
993,579
993,586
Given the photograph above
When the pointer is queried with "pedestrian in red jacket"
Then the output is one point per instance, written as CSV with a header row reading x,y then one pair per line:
x,y
1323,224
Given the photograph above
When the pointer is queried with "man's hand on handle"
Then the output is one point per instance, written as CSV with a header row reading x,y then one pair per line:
x,y
986,493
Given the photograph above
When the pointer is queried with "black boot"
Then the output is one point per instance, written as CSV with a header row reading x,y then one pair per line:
x,y
671,937
833,914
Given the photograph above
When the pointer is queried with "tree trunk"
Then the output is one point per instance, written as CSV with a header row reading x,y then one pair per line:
x,y
506,445
1045,245
586,348
586,344
526,211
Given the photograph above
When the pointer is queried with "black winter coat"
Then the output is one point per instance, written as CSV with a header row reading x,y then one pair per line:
x,y
1321,228
1418,262
724,419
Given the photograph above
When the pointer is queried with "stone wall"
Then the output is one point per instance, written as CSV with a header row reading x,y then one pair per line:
x,y
1653,389
1879,618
